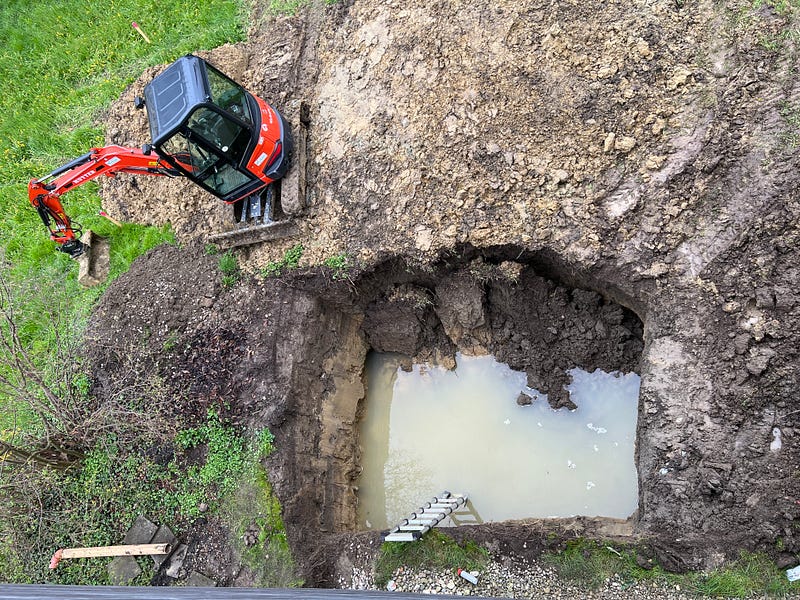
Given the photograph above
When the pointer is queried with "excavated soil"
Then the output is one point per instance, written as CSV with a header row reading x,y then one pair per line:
x,y
609,185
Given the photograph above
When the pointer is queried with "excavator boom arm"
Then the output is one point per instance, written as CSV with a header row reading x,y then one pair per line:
x,y
44,193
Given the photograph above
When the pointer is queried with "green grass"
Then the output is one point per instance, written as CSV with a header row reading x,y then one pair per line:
x,y
781,7
62,63
434,550
290,7
757,19
790,112
229,266
750,575
589,564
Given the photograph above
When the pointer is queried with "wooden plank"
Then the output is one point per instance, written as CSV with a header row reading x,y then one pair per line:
x,y
129,550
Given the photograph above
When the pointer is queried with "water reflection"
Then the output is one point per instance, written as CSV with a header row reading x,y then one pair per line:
x,y
433,429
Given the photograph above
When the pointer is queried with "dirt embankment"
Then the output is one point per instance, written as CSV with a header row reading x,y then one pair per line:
x,y
492,170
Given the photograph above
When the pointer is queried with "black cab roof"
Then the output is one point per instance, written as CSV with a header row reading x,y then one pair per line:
x,y
173,94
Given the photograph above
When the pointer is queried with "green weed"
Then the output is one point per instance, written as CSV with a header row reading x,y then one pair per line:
x,y
433,550
229,266
339,264
171,341
290,260
229,461
265,441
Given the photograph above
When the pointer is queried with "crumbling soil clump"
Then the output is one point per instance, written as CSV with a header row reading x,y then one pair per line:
x,y
532,323
607,185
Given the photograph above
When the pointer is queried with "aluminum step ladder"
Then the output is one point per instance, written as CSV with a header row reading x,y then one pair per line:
x,y
426,517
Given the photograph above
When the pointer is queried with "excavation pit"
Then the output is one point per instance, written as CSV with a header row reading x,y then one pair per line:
x,y
289,354
457,355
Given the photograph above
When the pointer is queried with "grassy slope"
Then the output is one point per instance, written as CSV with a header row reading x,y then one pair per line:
x,y
61,64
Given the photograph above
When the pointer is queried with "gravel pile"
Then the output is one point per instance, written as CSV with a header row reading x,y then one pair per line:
x,y
523,580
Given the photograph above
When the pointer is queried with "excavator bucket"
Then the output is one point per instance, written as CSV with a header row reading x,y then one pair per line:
x,y
269,215
94,263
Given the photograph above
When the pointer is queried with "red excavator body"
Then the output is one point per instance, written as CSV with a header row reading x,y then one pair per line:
x,y
203,126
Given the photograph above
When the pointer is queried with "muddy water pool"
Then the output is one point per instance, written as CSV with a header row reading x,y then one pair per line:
x,y
431,430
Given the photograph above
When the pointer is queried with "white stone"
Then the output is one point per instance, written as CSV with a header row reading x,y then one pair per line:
x,y
776,440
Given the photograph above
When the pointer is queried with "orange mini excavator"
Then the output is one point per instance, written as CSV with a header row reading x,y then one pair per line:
x,y
203,126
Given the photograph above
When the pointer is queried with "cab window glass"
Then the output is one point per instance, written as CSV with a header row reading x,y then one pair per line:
x,y
205,166
225,135
229,95
193,156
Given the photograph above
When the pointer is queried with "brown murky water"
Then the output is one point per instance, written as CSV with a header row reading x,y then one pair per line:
x,y
432,430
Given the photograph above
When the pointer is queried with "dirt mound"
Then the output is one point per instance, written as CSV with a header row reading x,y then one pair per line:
x,y
622,160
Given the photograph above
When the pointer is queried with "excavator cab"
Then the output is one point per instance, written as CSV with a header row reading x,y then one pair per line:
x,y
213,131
